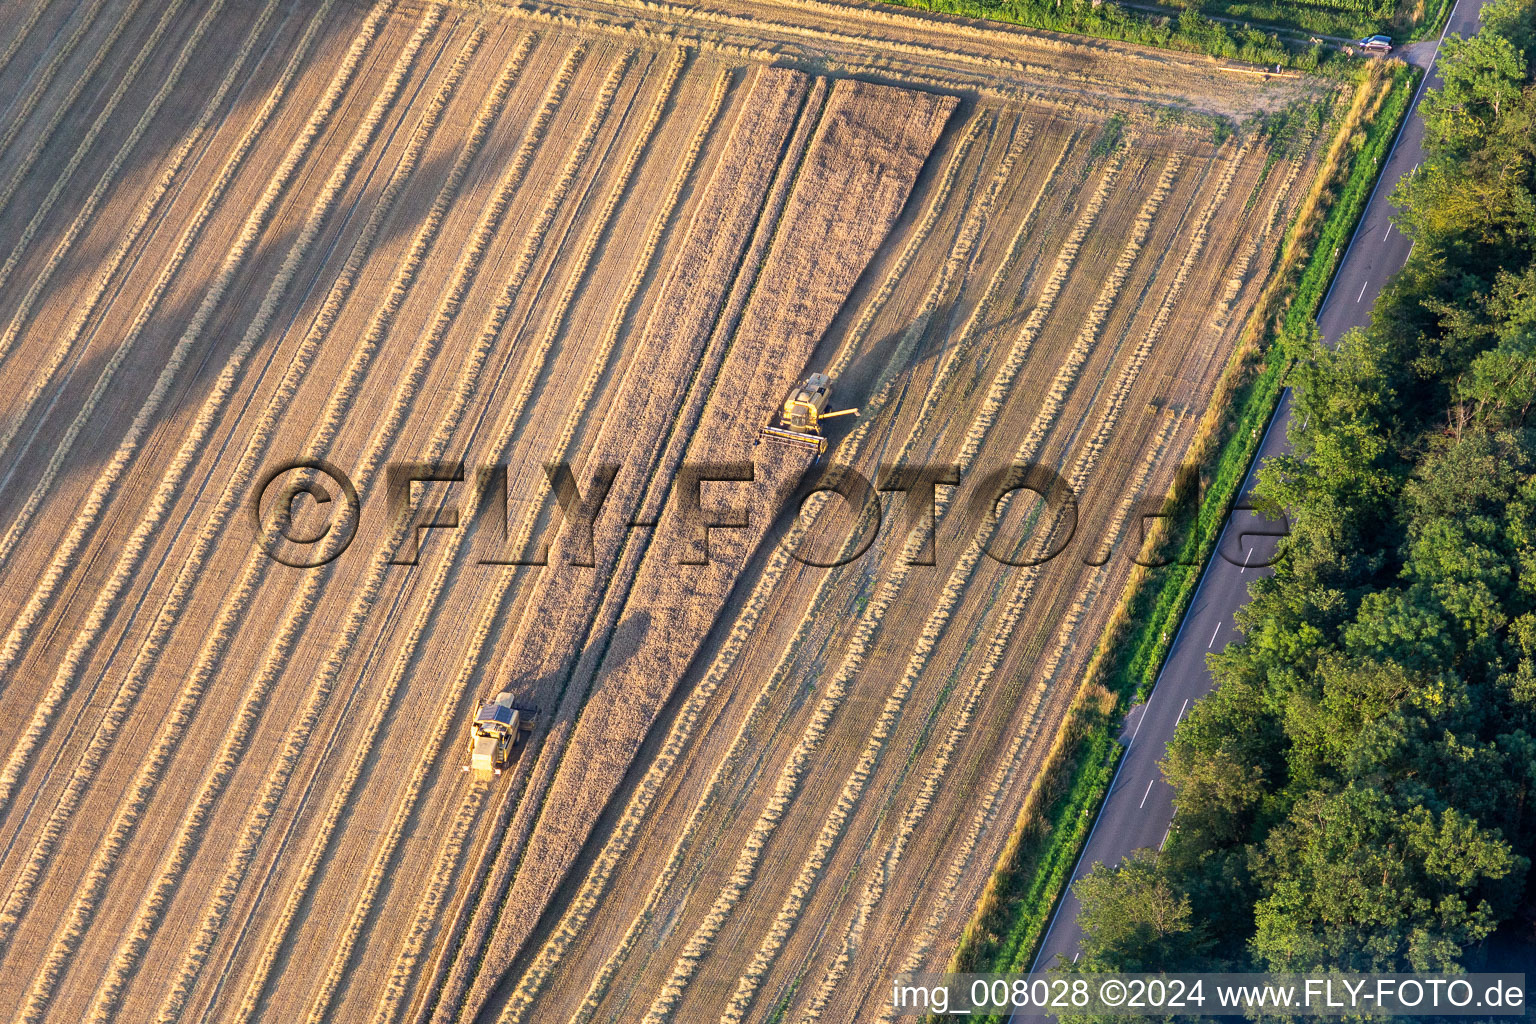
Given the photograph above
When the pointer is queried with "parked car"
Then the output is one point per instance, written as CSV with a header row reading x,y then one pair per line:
x,y
1376,44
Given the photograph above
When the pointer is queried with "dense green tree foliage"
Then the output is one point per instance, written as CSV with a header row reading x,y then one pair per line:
x,y
1360,790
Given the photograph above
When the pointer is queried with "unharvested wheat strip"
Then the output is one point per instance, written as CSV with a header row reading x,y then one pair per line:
x,y
22,31
532,981
769,224
793,770
86,518
845,120
597,879
44,80
447,861
302,605
378,328
41,990
29,161
915,240
192,964
88,208
642,267
320,1007
125,244
233,495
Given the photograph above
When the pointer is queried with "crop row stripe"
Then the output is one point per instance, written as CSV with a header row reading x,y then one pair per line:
x,y
338,406
927,641
213,920
40,993
303,603
35,11
126,243
22,887
87,209
44,80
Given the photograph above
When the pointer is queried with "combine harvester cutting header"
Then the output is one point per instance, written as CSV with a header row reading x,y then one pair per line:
x,y
804,409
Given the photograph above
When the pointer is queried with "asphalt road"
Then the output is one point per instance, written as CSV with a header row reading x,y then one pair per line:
x,y
1139,807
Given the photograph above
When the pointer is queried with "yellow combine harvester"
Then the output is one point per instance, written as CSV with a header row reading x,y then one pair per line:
x,y
493,733
804,409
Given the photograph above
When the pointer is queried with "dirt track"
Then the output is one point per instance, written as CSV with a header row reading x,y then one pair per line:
x,y
245,232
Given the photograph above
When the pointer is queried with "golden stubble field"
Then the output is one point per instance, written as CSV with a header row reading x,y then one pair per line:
x,y
239,233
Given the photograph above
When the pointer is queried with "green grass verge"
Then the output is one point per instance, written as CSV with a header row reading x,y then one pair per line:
x,y
1189,30
1036,865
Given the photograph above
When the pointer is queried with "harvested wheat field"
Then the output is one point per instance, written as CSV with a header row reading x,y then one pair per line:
x,y
237,234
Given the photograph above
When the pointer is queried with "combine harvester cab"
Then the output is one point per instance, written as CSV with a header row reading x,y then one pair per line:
x,y
493,733
804,409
